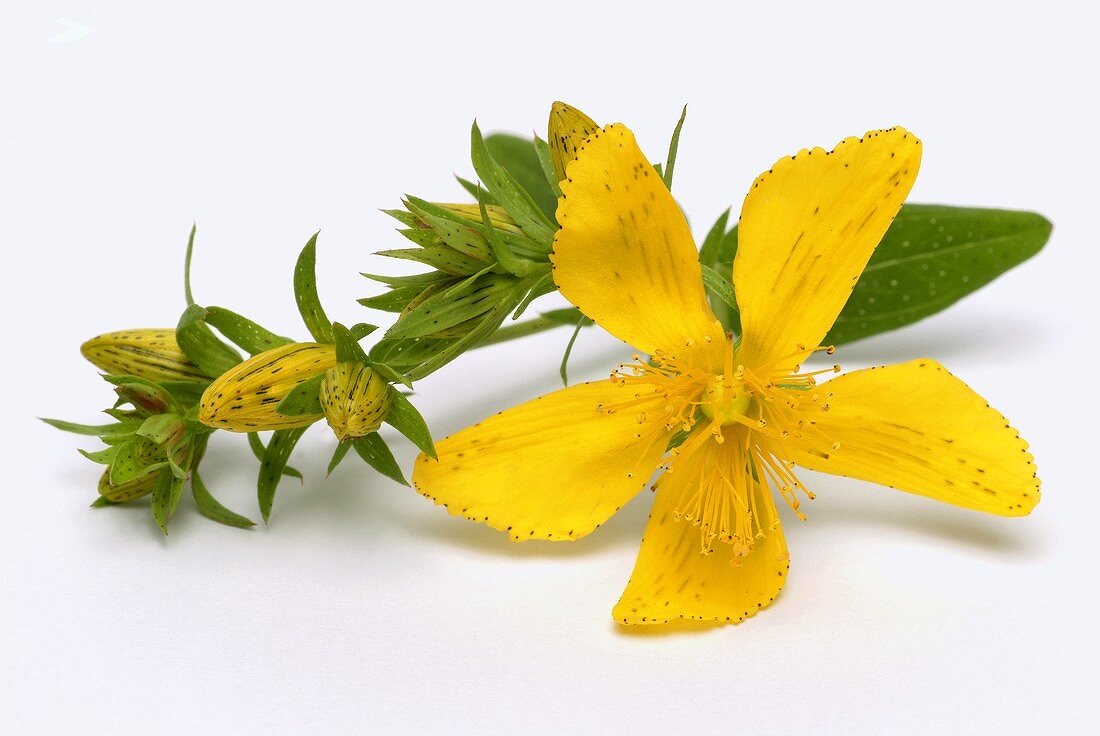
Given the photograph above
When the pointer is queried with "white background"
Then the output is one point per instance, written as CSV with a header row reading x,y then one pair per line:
x,y
363,607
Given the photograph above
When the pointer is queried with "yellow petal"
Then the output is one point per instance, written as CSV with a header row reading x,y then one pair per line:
x,y
624,254
917,428
553,468
674,580
808,227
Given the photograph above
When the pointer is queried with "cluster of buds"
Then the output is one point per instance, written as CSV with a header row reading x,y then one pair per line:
x,y
490,259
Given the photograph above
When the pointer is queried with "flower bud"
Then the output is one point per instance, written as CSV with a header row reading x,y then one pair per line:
x,y
567,131
130,490
355,399
152,354
245,398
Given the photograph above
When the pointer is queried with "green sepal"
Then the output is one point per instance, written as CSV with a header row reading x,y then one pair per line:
x,y
211,508
160,427
394,300
506,190
361,329
99,430
259,450
100,502
442,257
304,399
305,293
519,156
348,349
405,418
101,457
342,449
376,453
166,496
509,261
272,465
201,346
251,337
472,188
440,312
390,374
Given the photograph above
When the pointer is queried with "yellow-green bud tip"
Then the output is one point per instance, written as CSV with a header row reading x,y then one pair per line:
x,y
355,400
152,354
567,131
245,398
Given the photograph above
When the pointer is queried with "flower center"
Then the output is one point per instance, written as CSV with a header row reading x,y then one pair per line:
x,y
726,402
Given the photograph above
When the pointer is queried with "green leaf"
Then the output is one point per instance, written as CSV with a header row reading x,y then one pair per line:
x,y
259,450
376,453
709,252
506,190
209,506
361,330
99,430
564,316
201,345
102,502
305,293
187,267
390,374
472,188
720,286
393,300
304,399
932,256
253,338
563,370
673,145
519,156
404,417
348,349
272,465
338,456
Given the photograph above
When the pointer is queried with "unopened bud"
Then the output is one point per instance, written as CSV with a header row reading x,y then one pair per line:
x,y
355,399
245,398
152,354
567,131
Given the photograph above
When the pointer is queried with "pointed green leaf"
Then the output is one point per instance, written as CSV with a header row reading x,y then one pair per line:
x,y
250,336
260,450
472,188
305,293
931,257
201,345
673,145
348,349
101,502
512,197
187,266
542,150
102,457
338,456
211,508
271,467
99,430
304,399
376,454
440,312
519,156
404,417
719,286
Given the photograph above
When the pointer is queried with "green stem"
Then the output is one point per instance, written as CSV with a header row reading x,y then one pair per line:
x,y
558,318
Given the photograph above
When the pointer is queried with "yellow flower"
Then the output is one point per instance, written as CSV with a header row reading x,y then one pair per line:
x,y
245,398
559,466
355,400
146,353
